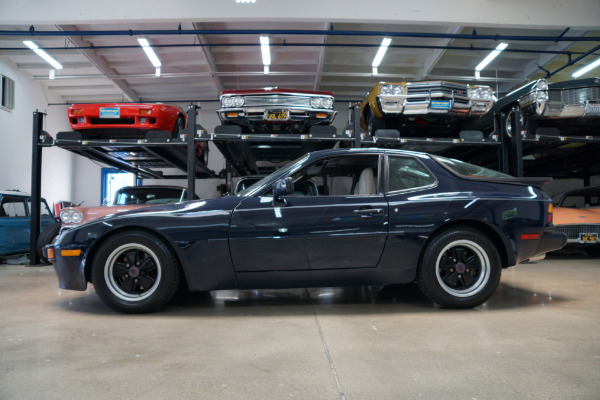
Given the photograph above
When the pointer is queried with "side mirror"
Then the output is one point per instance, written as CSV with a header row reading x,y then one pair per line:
x,y
282,187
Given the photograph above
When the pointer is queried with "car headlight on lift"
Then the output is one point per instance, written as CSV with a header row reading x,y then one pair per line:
x,y
316,102
388,89
327,102
71,216
227,101
238,101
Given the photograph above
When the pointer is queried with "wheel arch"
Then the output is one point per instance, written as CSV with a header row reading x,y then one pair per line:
x,y
497,238
91,254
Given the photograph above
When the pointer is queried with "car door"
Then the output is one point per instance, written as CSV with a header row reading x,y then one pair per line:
x,y
333,220
14,225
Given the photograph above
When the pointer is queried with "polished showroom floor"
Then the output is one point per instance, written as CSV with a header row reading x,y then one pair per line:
x,y
537,338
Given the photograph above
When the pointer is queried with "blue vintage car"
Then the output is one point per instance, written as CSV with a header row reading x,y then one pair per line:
x,y
332,218
15,210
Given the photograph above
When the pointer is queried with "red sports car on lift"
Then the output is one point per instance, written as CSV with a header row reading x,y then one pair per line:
x,y
126,119
275,110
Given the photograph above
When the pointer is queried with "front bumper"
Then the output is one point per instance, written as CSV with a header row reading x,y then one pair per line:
x,y
70,270
264,114
433,104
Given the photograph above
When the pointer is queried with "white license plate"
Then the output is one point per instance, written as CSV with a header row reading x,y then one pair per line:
x,y
592,109
109,112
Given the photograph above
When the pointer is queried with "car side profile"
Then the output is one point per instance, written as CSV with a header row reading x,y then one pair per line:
x,y
341,217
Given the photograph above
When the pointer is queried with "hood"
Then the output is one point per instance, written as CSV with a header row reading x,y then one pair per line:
x,y
576,216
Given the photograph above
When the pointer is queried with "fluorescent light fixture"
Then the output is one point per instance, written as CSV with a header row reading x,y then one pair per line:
x,y
587,68
381,52
245,1
266,52
374,71
265,49
491,56
266,71
150,52
477,74
43,54
157,72
51,74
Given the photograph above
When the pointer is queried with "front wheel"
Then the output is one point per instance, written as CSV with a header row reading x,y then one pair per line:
x,y
374,123
135,272
460,268
178,128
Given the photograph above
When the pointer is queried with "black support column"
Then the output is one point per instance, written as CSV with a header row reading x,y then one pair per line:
x,y
36,186
191,151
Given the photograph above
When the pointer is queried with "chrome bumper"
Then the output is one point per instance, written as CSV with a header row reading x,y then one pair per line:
x,y
433,104
262,114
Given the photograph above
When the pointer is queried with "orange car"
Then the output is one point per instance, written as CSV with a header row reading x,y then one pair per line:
x,y
126,119
578,215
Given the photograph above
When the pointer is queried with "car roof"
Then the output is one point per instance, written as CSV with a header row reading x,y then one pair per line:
x,y
376,150
153,187
588,190
14,193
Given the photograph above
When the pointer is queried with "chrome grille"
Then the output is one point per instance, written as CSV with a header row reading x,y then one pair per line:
x,y
447,88
573,231
575,96
275,100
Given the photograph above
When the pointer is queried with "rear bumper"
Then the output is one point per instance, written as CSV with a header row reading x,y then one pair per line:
x,y
551,241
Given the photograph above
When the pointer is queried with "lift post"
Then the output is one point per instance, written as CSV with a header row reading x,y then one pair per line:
x,y
191,150
36,187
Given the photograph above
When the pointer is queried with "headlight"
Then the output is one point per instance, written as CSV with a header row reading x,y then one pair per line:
x,y
487,93
227,101
71,216
315,102
397,89
385,89
238,101
541,95
542,84
327,102
475,93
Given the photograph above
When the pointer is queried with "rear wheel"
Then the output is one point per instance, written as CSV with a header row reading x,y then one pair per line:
x,y
135,272
374,123
46,237
178,128
460,268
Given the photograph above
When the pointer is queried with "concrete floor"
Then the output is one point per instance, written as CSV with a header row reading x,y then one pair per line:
x,y
537,338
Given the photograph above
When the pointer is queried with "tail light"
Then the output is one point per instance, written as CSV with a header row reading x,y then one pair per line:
x,y
549,219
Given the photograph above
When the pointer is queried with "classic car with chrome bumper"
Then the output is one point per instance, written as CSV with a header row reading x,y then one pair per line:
x,y
276,110
428,100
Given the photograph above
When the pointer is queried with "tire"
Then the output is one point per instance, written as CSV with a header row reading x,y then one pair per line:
x,y
374,123
135,272
179,126
593,251
509,119
460,268
202,152
46,237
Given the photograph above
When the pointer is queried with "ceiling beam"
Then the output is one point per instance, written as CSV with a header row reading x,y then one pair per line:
x,y
321,61
99,63
209,58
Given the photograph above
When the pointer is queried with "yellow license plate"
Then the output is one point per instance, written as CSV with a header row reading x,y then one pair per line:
x,y
588,238
277,115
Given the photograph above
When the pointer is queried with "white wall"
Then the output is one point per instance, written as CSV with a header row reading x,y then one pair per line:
x,y
16,137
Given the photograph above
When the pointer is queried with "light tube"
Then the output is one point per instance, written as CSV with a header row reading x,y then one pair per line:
x,y
265,50
43,54
381,52
491,56
150,52
585,69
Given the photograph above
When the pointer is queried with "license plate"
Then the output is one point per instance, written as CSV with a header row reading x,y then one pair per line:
x,y
440,104
109,112
277,115
588,238
593,109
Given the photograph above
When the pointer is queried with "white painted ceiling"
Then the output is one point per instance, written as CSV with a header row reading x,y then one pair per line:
x,y
198,66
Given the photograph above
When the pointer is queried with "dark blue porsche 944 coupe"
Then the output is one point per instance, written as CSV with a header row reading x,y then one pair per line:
x,y
341,217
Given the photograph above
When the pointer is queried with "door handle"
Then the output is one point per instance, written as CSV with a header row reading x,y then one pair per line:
x,y
368,211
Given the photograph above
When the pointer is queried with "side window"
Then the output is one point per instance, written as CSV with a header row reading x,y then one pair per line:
x,y
44,211
13,207
407,173
349,175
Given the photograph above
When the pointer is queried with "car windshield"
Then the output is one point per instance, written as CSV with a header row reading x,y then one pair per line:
x,y
143,195
284,171
471,170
